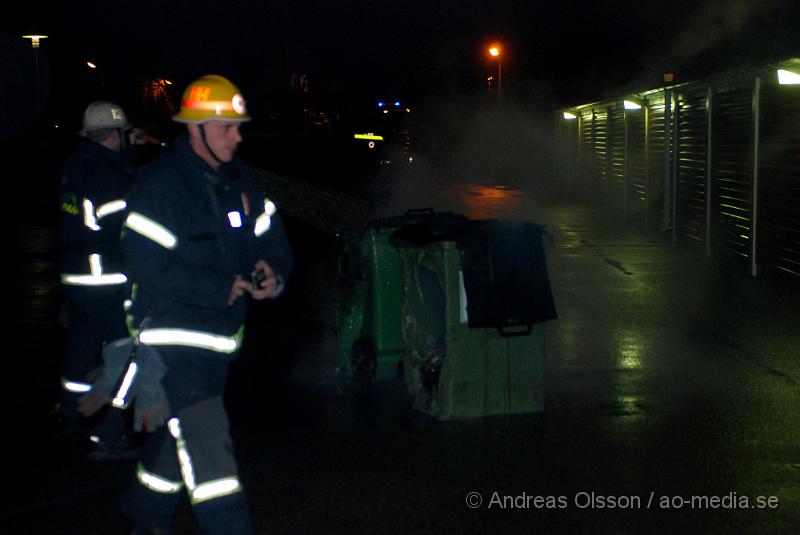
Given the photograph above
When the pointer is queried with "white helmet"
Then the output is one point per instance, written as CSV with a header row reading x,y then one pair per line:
x,y
101,114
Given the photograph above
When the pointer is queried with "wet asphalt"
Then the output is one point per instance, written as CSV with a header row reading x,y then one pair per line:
x,y
671,402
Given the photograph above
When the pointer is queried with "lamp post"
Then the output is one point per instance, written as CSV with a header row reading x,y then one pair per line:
x,y
35,40
496,52
94,66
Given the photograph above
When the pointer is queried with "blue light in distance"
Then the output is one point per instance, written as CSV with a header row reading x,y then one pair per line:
x,y
380,104
397,103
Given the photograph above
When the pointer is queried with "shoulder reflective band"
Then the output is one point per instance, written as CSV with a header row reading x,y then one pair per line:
x,y
96,276
199,339
74,386
235,218
264,221
204,491
152,230
89,218
157,483
110,208
119,400
370,136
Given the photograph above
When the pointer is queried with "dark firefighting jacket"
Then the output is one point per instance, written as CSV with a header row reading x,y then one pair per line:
x,y
190,230
92,196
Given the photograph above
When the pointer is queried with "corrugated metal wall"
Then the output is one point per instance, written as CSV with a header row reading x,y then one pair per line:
x,y
731,212
721,170
656,140
779,187
615,193
588,154
692,145
599,149
636,168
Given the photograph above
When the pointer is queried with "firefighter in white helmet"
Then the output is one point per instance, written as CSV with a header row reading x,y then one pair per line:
x,y
95,180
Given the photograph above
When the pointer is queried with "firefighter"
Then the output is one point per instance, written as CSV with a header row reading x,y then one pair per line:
x,y
200,239
93,186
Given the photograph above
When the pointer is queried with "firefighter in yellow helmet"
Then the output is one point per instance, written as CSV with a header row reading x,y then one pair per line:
x,y
211,106
199,241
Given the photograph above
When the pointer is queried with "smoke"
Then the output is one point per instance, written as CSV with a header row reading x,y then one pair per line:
x,y
710,24
718,35
475,157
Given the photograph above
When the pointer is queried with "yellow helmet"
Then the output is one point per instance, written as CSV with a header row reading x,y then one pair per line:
x,y
211,98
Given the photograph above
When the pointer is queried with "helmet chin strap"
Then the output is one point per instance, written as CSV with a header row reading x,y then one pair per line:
x,y
202,129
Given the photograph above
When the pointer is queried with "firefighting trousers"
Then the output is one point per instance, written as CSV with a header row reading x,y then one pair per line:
x,y
95,317
193,454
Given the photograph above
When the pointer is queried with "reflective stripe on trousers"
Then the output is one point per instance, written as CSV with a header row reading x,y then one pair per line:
x,y
157,483
207,490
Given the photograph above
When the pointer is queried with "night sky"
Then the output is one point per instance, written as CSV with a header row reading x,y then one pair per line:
x,y
555,51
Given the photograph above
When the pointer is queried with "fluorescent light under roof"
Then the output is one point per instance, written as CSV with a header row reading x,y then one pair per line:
x,y
788,77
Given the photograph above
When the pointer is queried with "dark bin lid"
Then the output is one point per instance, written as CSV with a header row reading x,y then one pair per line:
x,y
505,275
504,267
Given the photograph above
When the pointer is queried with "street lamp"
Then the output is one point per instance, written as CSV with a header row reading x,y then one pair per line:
x,y
94,66
496,52
35,40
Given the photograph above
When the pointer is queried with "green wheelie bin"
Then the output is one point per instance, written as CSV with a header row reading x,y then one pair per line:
x,y
368,318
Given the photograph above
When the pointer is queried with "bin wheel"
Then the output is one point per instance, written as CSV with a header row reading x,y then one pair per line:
x,y
363,362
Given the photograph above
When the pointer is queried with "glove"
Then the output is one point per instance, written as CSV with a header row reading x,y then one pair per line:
x,y
116,357
151,408
150,413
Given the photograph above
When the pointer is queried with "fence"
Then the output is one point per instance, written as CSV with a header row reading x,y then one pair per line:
x,y
714,162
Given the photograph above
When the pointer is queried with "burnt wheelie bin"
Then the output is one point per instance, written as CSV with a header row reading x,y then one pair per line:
x,y
477,296
368,318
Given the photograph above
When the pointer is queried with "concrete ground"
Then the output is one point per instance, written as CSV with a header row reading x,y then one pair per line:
x,y
672,406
